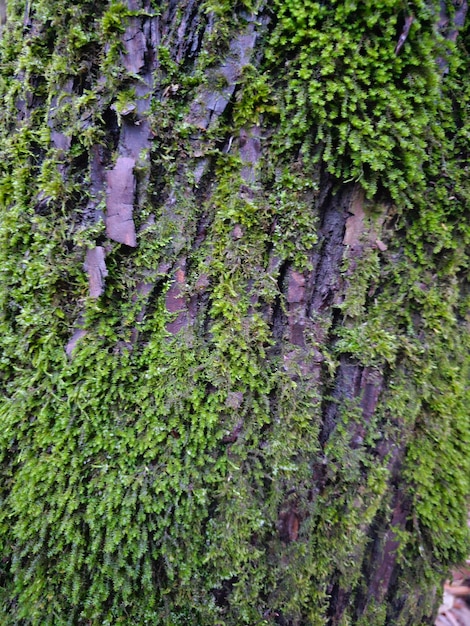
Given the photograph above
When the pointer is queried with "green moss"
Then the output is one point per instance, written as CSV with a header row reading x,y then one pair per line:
x,y
375,113
144,481
114,19
254,99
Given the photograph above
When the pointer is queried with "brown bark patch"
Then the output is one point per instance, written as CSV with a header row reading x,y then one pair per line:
x,y
355,223
387,558
289,525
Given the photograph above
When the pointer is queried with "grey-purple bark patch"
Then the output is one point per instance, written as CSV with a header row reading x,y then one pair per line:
x,y
250,152
120,193
175,301
135,45
95,267
71,345
212,101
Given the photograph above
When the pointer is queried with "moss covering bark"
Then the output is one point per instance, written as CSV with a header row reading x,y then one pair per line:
x,y
257,411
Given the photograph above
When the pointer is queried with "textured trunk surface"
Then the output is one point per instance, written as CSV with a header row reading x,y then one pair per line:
x,y
234,312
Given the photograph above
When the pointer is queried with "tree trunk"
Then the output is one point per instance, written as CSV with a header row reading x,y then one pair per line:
x,y
234,311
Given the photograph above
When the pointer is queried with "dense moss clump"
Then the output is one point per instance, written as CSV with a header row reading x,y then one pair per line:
x,y
376,114
263,416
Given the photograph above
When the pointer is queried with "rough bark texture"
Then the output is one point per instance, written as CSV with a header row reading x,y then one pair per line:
x,y
234,312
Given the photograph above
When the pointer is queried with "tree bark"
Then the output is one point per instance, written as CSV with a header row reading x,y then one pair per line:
x,y
235,312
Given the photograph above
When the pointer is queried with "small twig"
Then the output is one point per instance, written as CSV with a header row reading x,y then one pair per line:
x,y
404,33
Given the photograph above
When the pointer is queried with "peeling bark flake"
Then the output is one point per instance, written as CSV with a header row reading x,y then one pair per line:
x,y
95,266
